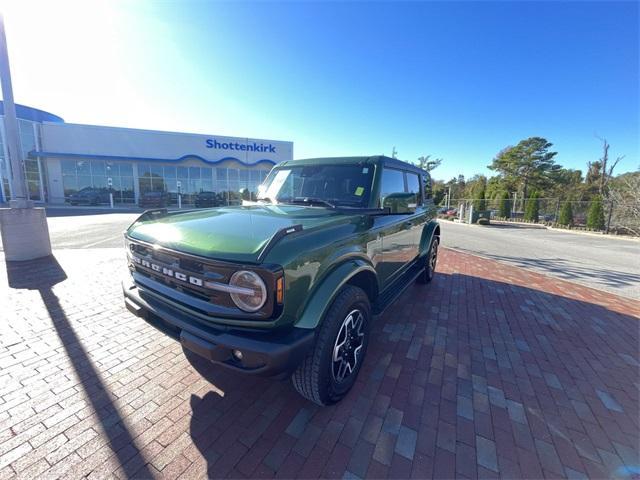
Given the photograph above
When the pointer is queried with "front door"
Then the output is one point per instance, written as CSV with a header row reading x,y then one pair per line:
x,y
398,230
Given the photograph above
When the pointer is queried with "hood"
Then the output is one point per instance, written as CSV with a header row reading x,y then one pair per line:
x,y
230,233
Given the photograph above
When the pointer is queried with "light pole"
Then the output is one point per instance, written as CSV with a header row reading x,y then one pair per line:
x,y
25,234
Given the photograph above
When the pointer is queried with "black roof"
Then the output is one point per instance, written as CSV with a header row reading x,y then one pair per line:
x,y
375,159
394,162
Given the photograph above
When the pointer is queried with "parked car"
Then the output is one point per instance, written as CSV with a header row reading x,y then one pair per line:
x,y
153,200
89,196
207,199
289,285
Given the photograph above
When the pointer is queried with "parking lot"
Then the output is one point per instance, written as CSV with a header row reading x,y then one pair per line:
x,y
604,263
490,371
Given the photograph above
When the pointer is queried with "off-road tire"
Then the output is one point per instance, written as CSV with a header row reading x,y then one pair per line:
x,y
314,378
427,273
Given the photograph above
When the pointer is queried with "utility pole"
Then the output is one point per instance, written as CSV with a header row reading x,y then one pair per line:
x,y
19,197
394,152
25,234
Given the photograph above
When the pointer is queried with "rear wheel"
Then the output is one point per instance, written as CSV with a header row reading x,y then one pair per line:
x,y
329,370
430,262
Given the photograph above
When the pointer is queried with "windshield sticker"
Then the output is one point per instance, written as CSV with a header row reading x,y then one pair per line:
x,y
365,170
359,191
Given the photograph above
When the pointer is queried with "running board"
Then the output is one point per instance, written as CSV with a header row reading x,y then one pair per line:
x,y
398,286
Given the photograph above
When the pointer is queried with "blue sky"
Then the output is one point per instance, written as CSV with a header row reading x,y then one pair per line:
x,y
455,80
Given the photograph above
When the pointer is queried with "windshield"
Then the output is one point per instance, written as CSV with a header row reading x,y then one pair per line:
x,y
323,185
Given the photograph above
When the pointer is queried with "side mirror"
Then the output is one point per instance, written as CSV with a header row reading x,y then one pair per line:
x,y
400,202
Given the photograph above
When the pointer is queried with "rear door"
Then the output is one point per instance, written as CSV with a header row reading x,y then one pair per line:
x,y
420,215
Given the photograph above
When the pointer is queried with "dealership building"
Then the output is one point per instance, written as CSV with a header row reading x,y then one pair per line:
x,y
63,158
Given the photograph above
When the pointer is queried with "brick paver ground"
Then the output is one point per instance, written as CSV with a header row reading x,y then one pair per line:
x,y
490,371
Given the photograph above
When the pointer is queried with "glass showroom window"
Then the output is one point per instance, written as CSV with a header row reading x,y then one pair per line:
x,y
31,165
94,174
121,175
4,173
150,178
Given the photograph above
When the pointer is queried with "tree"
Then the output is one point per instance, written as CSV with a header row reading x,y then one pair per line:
x,y
455,186
624,192
479,203
605,174
505,206
438,190
595,217
567,183
425,163
532,209
528,164
566,214
495,187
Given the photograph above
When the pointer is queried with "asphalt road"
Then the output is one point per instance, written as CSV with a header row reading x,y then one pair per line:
x,y
87,228
609,264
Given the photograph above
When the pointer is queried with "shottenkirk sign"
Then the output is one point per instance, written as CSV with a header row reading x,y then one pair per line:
x,y
250,147
90,141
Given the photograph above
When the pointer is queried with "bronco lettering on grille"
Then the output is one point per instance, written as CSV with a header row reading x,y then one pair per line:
x,y
169,272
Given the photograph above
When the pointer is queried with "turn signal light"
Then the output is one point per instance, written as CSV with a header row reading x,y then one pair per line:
x,y
280,290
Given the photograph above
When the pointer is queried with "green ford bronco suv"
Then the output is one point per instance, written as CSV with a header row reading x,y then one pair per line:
x,y
288,285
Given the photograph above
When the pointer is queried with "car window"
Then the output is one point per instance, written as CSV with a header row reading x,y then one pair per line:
x,y
413,186
342,185
392,182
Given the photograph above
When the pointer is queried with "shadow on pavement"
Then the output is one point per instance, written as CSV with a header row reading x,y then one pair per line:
x,y
567,270
42,275
528,345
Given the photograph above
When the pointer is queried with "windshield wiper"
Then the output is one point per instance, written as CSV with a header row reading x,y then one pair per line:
x,y
311,201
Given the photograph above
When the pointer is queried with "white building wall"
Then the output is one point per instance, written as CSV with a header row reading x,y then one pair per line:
x,y
63,141
147,144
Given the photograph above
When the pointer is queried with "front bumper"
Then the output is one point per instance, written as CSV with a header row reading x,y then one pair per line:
x,y
268,353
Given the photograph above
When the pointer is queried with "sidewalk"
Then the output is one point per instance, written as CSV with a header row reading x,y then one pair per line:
x,y
490,371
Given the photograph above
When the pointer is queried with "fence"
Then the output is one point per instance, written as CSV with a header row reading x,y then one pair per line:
x,y
619,217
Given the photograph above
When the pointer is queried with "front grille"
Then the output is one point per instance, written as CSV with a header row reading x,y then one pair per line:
x,y
181,288
187,274
191,265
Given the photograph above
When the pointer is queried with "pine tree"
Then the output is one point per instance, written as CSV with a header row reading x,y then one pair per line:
x,y
532,208
505,206
566,214
595,218
479,202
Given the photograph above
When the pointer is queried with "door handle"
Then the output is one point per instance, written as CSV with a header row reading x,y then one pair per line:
x,y
408,224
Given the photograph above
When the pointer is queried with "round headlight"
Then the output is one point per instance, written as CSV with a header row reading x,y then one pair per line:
x,y
249,302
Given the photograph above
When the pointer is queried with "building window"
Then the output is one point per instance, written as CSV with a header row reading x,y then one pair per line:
x,y
95,174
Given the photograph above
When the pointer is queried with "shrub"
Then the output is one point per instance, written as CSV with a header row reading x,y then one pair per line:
x,y
505,206
566,214
532,210
479,203
595,218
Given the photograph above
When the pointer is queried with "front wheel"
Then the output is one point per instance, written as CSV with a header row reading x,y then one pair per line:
x,y
329,370
430,262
